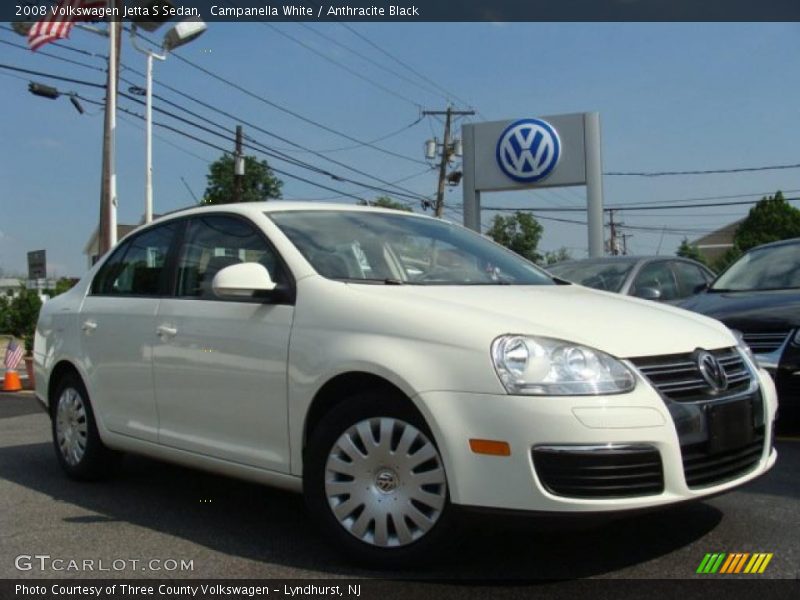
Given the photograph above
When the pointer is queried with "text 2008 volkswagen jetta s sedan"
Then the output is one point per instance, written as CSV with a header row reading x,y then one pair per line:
x,y
392,367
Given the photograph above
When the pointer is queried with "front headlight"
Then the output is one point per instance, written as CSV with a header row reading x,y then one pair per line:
x,y
549,367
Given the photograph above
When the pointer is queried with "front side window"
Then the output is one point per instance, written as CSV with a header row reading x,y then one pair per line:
x,y
214,242
137,266
375,247
691,278
657,276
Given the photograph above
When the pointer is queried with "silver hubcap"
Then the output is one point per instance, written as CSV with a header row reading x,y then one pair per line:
x,y
71,426
385,482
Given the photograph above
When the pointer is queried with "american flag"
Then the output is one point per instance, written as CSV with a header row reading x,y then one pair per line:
x,y
14,354
57,26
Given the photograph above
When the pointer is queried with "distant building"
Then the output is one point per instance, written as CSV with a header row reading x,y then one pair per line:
x,y
9,286
92,248
715,244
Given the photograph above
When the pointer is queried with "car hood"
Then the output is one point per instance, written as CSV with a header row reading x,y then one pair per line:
x,y
750,311
619,325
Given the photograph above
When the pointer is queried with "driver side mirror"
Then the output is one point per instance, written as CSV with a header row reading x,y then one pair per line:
x,y
242,280
648,293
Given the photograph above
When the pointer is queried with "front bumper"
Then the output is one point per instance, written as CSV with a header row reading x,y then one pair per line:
x,y
639,418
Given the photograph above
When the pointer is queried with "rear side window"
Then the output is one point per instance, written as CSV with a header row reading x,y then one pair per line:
x,y
215,242
137,267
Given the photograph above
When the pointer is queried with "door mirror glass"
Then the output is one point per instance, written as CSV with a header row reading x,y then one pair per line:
x,y
648,293
242,280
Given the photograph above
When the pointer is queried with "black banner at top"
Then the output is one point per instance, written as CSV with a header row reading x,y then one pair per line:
x,y
419,10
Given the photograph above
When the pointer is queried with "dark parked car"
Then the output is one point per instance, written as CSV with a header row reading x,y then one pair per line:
x,y
759,295
651,277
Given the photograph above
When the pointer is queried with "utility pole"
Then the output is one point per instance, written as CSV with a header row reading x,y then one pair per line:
x,y
238,166
107,228
612,242
625,237
447,151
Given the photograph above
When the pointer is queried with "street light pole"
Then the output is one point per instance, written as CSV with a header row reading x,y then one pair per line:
x,y
148,127
182,33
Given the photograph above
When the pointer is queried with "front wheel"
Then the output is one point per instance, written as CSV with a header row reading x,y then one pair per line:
x,y
375,481
79,449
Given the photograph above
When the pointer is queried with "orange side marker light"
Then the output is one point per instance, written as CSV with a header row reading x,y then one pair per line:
x,y
491,447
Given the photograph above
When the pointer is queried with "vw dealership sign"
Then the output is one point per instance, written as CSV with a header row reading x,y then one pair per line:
x,y
528,150
528,153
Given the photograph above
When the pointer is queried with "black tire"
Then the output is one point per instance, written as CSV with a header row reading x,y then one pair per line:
x,y
95,461
373,406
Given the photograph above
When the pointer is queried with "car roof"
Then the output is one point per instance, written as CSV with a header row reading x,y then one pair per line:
x,y
789,242
615,259
271,206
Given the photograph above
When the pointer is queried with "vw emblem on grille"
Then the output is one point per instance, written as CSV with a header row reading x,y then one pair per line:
x,y
712,371
528,150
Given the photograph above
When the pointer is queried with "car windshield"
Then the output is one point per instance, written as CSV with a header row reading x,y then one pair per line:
x,y
601,275
378,247
770,268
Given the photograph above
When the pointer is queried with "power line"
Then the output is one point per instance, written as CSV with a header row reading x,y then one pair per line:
x,y
264,149
372,61
701,172
291,112
331,60
221,149
627,208
55,56
405,65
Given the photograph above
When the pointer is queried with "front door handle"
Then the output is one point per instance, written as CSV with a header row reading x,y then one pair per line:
x,y
89,326
166,331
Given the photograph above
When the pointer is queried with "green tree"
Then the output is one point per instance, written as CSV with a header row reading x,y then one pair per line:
x,y
258,183
386,202
687,250
771,220
21,316
519,232
556,256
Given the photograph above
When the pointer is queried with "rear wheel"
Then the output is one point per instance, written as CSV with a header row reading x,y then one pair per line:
x,y
375,481
79,449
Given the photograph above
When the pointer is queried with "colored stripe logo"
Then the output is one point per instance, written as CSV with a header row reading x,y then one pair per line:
x,y
734,563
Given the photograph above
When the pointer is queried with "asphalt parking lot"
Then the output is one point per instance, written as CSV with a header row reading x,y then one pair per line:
x,y
232,529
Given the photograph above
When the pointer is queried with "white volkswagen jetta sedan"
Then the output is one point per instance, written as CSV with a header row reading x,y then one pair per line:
x,y
393,367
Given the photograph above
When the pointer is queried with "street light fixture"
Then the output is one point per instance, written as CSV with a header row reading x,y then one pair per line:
x,y
51,93
182,33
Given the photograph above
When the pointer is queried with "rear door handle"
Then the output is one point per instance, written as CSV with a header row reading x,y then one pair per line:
x,y
89,326
166,331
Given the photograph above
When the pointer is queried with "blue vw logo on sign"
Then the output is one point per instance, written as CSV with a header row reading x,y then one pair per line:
x,y
528,150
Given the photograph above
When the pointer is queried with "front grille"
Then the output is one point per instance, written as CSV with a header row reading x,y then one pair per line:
x,y
702,469
678,377
764,343
602,472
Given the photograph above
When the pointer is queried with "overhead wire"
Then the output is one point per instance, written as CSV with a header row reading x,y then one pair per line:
x,y
264,149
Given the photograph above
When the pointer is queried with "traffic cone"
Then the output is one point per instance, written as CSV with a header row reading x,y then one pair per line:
x,y
11,382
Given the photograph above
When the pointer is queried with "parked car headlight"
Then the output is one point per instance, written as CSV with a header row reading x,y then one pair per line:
x,y
548,367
